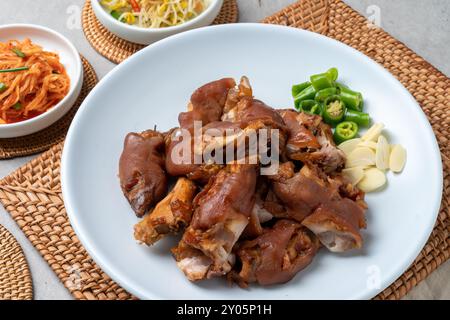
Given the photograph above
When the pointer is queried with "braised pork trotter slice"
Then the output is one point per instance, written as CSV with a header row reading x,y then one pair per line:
x,y
171,215
277,255
222,212
206,106
141,170
311,140
319,203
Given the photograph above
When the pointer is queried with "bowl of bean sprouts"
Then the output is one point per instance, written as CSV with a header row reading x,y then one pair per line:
x,y
147,21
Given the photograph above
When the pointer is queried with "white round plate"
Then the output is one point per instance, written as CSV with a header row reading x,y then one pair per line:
x,y
154,85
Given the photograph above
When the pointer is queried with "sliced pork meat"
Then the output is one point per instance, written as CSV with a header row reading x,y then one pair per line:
x,y
311,140
300,137
209,100
254,113
259,213
141,170
244,89
337,224
258,191
206,106
317,201
193,262
215,139
170,216
180,158
276,256
222,212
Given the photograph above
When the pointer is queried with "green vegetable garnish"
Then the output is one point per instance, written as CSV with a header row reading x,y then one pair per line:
x,y
345,131
17,106
324,80
116,14
14,69
310,107
333,111
297,88
18,52
333,72
352,99
325,93
3,87
334,101
361,118
306,94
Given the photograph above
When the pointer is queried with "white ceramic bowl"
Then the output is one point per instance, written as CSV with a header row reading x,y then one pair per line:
x,y
146,35
69,57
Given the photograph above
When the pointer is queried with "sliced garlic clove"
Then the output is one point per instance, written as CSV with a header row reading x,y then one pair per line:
x,y
353,175
373,133
397,160
382,153
368,144
348,146
361,156
373,179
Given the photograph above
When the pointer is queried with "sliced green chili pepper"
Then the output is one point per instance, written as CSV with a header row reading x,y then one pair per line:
x,y
333,72
310,107
345,131
360,118
17,106
116,14
14,69
18,52
352,99
307,94
3,87
334,110
296,89
325,93
324,80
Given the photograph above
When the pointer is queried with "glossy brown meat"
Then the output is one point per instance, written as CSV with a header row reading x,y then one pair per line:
x,y
249,111
171,215
231,191
300,137
244,89
277,255
206,105
259,213
208,101
222,212
319,203
214,139
337,225
300,193
193,262
311,140
259,120
141,170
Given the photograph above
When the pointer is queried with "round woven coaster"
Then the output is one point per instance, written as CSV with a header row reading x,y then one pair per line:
x,y
44,139
15,278
117,49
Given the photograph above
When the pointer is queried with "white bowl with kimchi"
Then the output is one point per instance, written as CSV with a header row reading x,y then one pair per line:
x,y
147,21
40,78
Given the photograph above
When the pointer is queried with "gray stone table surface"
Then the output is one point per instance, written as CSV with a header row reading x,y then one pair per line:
x,y
427,33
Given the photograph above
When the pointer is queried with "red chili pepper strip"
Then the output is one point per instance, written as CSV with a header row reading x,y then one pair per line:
x,y
135,6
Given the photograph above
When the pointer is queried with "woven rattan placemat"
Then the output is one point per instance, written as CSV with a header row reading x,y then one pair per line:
x,y
32,194
117,49
44,139
15,279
